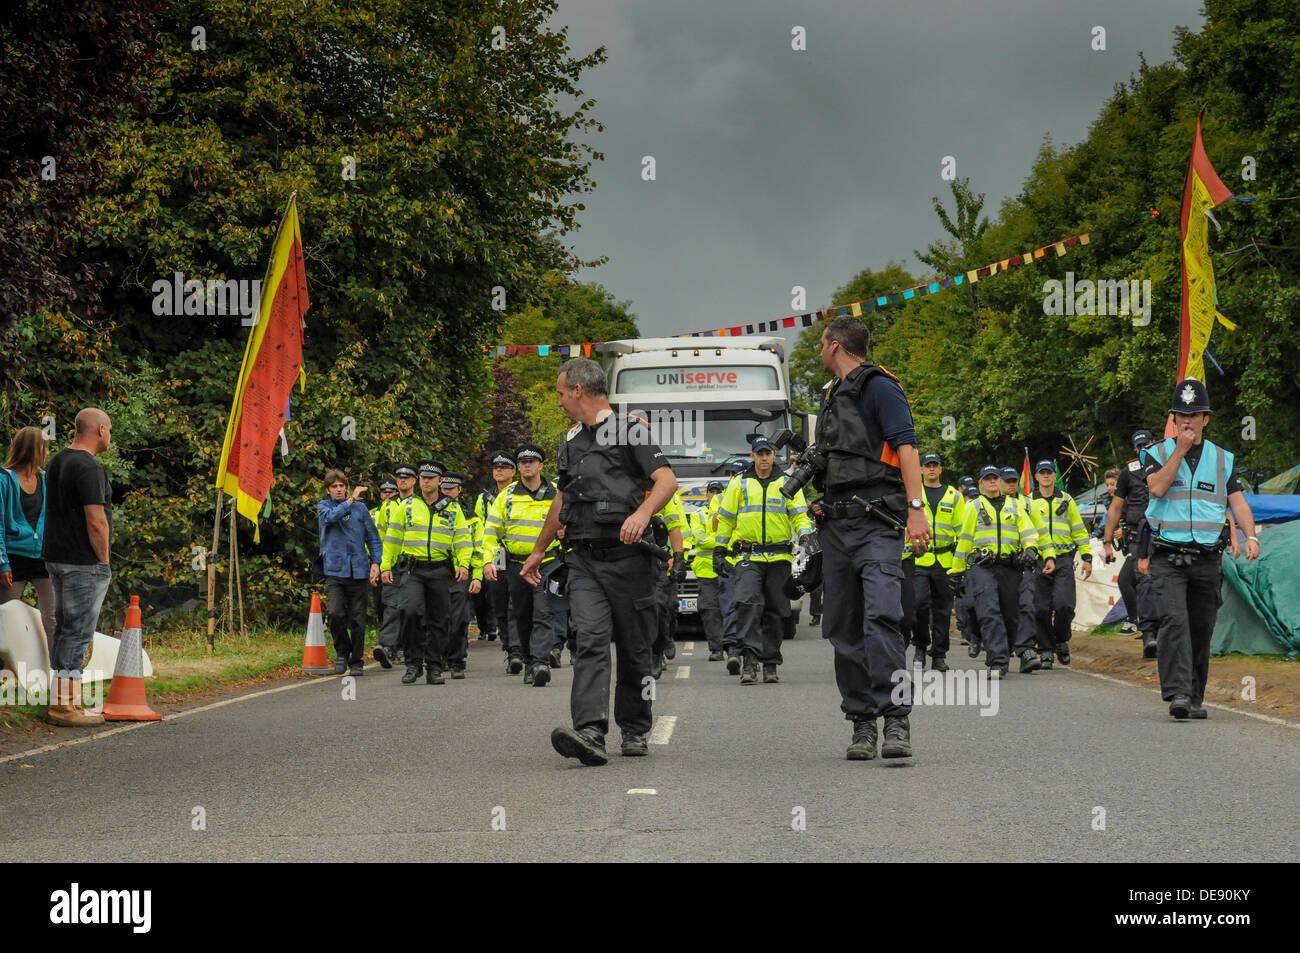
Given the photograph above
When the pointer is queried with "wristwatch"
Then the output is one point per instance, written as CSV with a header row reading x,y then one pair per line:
x,y
916,504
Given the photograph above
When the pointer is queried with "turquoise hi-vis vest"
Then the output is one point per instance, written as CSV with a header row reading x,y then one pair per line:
x,y
1193,508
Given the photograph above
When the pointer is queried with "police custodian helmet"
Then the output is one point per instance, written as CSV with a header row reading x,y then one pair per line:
x,y
1190,397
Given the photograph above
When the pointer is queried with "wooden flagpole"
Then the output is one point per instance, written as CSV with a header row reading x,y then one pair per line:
x,y
212,575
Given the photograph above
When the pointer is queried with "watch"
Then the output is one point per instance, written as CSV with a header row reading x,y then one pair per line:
x,y
916,504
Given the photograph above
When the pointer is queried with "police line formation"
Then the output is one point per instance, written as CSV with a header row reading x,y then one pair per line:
x,y
594,558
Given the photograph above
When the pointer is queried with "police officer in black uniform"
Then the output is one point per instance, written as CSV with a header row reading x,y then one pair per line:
x,y
865,455
606,465
1128,506
456,650
493,596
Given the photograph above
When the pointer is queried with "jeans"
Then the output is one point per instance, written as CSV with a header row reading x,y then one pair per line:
x,y
79,593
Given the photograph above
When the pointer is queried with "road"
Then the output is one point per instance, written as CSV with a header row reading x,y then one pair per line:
x,y
741,773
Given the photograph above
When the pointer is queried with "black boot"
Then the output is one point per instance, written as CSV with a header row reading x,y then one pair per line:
x,y
898,737
939,664
1029,662
413,670
433,677
973,648
1149,646
1063,652
863,746
587,745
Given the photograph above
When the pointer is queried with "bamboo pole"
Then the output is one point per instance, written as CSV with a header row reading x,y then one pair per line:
x,y
212,575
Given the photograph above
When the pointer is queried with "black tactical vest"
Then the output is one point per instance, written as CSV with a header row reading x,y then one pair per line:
x,y
600,489
854,446
1135,503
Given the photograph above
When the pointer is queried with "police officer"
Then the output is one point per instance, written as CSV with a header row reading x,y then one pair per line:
x,y
457,648
1192,485
388,648
704,528
606,464
867,441
726,589
493,597
756,526
997,542
427,544
945,510
513,526
967,623
1056,516
1127,512
673,519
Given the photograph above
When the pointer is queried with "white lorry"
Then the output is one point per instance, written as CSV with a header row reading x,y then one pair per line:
x,y
706,399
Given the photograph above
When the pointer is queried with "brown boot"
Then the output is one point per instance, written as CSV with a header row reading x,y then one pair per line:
x,y
66,712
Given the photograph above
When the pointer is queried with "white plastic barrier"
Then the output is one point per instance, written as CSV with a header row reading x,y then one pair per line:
x,y
22,647
1095,597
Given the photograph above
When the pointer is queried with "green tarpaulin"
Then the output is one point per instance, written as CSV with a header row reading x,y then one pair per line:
x,y
1260,614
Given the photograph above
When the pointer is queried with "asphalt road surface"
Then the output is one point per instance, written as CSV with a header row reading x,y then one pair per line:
x,y
1071,768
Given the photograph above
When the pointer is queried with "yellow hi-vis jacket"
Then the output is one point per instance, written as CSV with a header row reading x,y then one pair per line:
x,y
515,521
1058,521
416,529
705,542
945,523
1002,533
752,513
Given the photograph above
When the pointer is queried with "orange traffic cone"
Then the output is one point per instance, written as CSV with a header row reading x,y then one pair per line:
x,y
314,658
126,701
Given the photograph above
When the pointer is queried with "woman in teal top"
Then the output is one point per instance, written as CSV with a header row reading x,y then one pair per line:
x,y
22,524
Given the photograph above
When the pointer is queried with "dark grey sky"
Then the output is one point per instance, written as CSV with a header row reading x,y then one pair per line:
x,y
778,168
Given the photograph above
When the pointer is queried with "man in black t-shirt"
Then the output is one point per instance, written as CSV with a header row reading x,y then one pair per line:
x,y
612,479
78,528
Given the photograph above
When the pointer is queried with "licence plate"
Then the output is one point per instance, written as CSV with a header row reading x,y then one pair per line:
x,y
686,605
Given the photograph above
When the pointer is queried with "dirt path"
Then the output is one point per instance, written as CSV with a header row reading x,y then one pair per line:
x,y
1276,682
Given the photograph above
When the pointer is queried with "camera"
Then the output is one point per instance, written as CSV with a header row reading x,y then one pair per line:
x,y
812,463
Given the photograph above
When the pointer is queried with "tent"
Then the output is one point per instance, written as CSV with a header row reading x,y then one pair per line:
x,y
1288,482
1260,614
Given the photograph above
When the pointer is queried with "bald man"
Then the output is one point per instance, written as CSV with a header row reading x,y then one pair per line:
x,y
78,527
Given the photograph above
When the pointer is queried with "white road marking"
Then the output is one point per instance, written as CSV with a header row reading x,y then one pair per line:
x,y
172,717
691,646
687,653
642,791
683,671
1155,691
663,729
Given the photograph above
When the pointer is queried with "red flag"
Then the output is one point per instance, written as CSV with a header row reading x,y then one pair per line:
x,y
272,363
1026,477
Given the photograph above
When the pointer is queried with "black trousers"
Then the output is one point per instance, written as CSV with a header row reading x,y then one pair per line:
x,y
424,613
762,608
346,599
666,629
456,647
710,613
610,601
390,616
1139,600
530,616
933,609
1054,604
495,613
994,593
862,573
815,602
1188,600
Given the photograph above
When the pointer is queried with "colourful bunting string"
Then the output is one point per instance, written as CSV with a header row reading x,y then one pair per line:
x,y
854,308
